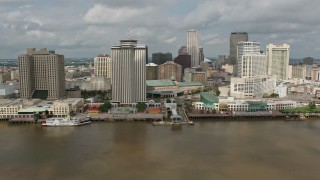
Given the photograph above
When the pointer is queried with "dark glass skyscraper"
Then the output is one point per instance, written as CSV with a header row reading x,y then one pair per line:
x,y
236,37
160,58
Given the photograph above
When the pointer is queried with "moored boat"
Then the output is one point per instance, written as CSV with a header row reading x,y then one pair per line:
x,y
67,121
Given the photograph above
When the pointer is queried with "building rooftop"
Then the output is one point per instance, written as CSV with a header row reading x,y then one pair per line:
x,y
163,82
209,97
33,109
195,83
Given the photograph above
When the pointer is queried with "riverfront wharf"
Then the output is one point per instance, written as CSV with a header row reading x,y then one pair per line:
x,y
239,116
260,115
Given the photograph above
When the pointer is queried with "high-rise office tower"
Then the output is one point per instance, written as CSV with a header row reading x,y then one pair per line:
x,y
193,46
236,37
278,60
160,58
42,74
129,72
244,48
103,66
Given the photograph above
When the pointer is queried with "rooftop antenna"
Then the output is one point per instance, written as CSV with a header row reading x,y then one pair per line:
x,y
129,31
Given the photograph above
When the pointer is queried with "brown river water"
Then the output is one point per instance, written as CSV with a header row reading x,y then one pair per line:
x,y
245,150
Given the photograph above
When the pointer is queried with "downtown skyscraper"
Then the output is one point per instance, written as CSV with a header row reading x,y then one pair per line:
x,y
236,37
42,74
129,72
278,60
193,47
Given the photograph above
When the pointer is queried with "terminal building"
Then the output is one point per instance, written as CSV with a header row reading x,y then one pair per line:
x,y
167,88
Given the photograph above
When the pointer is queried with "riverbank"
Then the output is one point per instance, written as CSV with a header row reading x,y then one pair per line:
x,y
142,117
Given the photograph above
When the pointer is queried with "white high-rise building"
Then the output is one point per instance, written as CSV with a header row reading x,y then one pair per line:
x,y
193,47
278,60
252,80
244,48
129,72
253,65
103,66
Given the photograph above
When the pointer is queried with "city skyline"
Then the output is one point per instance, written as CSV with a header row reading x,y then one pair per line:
x,y
94,26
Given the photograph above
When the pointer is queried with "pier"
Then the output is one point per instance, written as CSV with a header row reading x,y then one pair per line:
x,y
244,116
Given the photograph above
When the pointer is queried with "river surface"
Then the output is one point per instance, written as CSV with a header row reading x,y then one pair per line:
x,y
208,150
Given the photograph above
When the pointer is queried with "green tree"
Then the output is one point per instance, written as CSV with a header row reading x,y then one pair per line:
x,y
206,89
168,100
105,107
312,105
218,92
141,106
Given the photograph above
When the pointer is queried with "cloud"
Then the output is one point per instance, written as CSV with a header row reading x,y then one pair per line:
x,y
94,26
101,14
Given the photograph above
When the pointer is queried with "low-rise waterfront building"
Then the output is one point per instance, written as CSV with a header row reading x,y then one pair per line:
x,y
279,105
237,105
170,88
207,102
25,108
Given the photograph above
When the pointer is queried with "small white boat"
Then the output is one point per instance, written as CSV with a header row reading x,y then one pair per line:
x,y
67,121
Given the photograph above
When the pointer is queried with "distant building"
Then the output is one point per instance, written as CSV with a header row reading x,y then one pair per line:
x,y
201,55
4,77
103,66
228,68
315,74
236,37
299,71
281,90
205,67
9,90
278,60
183,50
222,60
160,58
90,84
187,74
42,74
74,92
152,71
308,61
183,60
200,77
129,72
193,46
170,69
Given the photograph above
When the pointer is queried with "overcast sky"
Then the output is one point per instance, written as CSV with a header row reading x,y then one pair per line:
x,y
86,28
